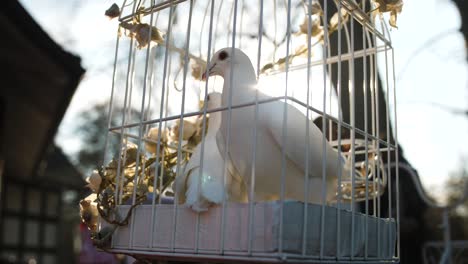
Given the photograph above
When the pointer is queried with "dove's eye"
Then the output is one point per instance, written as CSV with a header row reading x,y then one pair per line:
x,y
223,55
208,98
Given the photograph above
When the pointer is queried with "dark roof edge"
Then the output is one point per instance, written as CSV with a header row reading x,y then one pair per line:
x,y
24,22
71,64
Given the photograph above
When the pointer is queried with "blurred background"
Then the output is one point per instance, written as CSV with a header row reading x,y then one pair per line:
x,y
58,59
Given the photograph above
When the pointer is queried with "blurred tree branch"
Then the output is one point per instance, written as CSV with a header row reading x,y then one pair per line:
x,y
91,127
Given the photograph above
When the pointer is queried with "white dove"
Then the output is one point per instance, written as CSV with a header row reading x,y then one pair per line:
x,y
269,139
211,180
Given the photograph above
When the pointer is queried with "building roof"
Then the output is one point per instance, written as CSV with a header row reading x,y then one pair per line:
x,y
39,79
56,168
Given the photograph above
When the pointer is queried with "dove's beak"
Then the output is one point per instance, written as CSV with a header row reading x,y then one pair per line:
x,y
210,71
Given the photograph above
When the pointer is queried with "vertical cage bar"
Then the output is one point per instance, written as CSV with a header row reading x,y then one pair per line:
x,y
377,135
127,109
151,77
184,79
217,24
109,121
397,168
158,144
119,176
340,124
389,176
129,114
353,137
254,147
240,23
373,88
307,121
324,130
202,26
229,122
136,180
111,101
205,106
111,109
284,134
366,140
182,109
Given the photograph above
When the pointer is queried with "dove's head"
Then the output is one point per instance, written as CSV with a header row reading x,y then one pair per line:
x,y
222,60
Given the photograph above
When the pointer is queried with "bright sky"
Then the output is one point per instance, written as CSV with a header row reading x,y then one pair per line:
x,y
430,67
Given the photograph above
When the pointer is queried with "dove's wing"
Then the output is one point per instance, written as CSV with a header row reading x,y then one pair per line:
x,y
296,141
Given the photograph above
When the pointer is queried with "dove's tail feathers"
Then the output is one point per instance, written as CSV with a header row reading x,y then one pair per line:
x,y
201,195
192,197
213,190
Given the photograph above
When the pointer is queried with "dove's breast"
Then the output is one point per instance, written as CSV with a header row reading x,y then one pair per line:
x,y
268,165
268,158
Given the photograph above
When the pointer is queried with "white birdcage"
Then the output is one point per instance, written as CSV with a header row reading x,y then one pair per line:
x,y
337,73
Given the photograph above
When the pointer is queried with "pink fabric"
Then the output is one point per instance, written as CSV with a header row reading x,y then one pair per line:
x,y
89,254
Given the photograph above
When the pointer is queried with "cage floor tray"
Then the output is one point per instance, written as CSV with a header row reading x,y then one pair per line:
x,y
265,237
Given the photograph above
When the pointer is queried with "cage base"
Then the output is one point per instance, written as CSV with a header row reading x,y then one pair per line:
x,y
181,233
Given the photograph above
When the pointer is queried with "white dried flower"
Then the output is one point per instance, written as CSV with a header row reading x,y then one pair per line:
x,y
392,6
141,32
316,29
153,135
191,126
88,212
198,68
335,20
315,8
94,181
